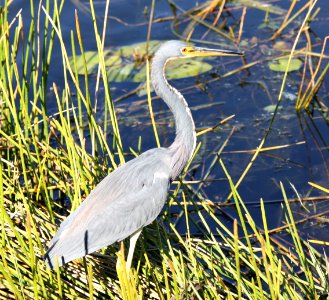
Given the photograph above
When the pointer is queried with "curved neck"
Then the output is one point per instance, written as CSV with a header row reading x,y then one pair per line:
x,y
184,144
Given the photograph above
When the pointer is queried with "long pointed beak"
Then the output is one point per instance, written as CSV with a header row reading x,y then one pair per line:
x,y
200,51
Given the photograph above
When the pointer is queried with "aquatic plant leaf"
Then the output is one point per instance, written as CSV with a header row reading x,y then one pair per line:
x,y
112,60
177,69
281,65
92,61
121,73
128,64
281,45
138,50
186,68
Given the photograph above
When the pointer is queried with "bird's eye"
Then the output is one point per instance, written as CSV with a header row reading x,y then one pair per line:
x,y
184,50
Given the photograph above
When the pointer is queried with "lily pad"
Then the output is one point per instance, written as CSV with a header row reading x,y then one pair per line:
x,y
121,73
138,49
92,60
282,64
281,46
128,63
186,68
177,69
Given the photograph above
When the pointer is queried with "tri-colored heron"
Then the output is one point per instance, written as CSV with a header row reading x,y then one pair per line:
x,y
133,195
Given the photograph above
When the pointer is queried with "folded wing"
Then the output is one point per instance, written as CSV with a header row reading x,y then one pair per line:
x,y
126,200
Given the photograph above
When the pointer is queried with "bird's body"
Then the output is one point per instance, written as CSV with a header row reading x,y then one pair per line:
x,y
133,195
110,214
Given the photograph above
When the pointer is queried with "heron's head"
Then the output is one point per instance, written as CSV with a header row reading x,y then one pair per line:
x,y
179,49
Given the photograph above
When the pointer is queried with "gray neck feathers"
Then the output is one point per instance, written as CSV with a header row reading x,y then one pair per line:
x,y
184,144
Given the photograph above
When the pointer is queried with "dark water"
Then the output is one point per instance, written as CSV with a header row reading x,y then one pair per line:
x,y
245,94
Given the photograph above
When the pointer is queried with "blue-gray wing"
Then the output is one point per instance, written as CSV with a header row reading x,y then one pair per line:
x,y
123,202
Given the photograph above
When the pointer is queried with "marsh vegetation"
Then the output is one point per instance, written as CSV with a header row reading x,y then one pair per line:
x,y
248,217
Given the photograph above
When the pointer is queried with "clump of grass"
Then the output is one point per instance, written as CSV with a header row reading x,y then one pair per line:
x,y
44,162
